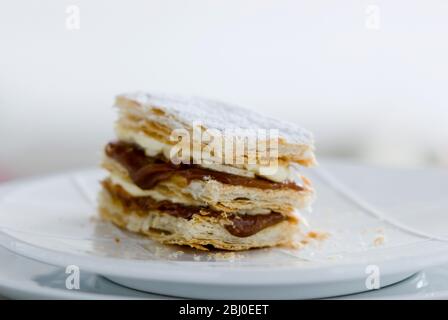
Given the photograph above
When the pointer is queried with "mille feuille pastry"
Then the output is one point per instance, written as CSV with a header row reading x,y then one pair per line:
x,y
203,203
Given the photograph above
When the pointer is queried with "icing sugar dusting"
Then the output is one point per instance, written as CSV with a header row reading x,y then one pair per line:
x,y
218,115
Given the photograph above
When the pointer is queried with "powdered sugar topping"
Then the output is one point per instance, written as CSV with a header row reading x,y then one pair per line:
x,y
217,115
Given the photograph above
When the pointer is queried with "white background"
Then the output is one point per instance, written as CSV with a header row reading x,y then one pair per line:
x,y
377,95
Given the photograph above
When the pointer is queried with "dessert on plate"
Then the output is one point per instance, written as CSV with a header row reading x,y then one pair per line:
x,y
206,174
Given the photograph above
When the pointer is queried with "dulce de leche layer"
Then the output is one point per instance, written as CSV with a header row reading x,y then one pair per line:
x,y
146,172
239,225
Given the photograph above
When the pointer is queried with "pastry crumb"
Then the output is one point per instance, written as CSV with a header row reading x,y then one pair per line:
x,y
229,256
317,235
378,241
196,257
176,254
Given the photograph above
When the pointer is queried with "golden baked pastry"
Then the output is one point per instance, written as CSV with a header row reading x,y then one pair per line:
x,y
204,193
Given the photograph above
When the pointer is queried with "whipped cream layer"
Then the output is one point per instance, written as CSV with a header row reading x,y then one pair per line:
x,y
154,147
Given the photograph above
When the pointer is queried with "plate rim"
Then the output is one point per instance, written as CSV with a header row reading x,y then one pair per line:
x,y
172,270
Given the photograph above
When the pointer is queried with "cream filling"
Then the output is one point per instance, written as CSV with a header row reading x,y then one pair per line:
x,y
136,191
154,147
151,146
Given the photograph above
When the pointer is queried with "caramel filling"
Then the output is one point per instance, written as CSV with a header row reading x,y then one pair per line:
x,y
146,172
239,225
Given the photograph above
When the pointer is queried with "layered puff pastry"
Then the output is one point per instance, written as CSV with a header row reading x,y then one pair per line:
x,y
227,198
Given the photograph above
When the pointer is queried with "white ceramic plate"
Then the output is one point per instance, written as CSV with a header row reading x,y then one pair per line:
x,y
22,278
394,222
